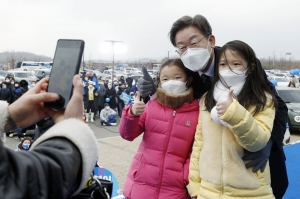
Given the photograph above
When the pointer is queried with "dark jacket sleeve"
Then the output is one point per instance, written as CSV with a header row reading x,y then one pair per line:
x,y
281,115
51,170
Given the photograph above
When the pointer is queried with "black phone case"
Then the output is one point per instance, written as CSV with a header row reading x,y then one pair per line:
x,y
60,103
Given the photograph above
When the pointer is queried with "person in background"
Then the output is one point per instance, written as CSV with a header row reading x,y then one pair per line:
x,y
32,84
12,83
5,93
25,144
111,94
89,100
122,80
129,80
101,95
23,85
8,84
121,103
107,116
294,82
17,92
106,83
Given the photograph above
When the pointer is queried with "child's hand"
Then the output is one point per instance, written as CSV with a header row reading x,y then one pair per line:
x,y
138,107
223,106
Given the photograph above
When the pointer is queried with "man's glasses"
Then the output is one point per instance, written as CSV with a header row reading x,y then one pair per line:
x,y
182,49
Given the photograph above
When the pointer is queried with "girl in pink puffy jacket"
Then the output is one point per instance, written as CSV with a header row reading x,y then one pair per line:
x,y
160,167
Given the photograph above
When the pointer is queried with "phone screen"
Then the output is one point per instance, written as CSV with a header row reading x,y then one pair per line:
x,y
66,64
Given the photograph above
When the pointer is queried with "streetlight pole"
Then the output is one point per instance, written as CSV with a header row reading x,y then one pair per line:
x,y
285,58
113,67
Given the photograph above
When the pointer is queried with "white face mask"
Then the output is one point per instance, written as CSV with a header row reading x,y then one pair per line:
x,y
107,107
109,87
12,82
16,85
231,80
174,86
7,80
196,59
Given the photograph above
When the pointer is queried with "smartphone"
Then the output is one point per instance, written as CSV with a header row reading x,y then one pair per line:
x,y
66,64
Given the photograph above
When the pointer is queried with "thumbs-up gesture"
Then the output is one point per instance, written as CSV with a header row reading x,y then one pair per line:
x,y
146,84
223,105
138,107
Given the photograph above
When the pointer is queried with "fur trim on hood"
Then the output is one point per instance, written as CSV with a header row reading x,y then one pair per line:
x,y
172,100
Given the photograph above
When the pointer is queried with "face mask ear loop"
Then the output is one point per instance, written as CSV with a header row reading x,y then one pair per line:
x,y
226,85
207,45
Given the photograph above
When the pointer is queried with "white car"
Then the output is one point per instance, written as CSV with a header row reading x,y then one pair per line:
x,y
282,75
22,75
133,71
281,81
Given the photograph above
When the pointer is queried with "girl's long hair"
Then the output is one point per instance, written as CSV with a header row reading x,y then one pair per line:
x,y
255,89
196,82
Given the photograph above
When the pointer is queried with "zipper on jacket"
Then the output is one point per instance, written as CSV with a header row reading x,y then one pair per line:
x,y
168,139
222,185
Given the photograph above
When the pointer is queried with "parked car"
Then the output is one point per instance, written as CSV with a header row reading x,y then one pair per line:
x,y
133,71
282,75
22,75
153,72
291,96
41,73
3,74
281,81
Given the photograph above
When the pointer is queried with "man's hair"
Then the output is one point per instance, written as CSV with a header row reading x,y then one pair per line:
x,y
198,21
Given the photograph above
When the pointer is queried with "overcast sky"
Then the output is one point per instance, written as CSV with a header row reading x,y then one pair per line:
x,y
268,26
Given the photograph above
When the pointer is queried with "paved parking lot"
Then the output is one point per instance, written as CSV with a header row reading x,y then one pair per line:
x,y
115,153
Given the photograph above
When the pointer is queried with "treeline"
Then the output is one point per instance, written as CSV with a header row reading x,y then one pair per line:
x,y
281,64
11,57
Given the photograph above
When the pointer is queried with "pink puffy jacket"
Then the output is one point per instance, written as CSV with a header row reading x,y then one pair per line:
x,y
159,170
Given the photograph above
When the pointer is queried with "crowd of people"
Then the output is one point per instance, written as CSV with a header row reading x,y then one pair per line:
x,y
10,91
104,99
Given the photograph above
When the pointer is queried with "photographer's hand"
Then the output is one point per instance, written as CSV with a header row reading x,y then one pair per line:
x,y
29,108
74,107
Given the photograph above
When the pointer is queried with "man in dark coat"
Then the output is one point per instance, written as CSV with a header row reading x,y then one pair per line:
x,y
121,103
5,93
111,94
122,80
101,94
129,80
183,34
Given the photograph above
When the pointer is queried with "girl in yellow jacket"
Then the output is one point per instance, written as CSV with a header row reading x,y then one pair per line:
x,y
236,114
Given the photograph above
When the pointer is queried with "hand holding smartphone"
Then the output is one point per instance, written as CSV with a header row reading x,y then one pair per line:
x,y
66,65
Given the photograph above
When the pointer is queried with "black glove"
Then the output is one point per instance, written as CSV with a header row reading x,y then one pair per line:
x,y
146,84
258,159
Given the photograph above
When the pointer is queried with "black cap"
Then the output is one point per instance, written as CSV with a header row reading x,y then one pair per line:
x,y
106,104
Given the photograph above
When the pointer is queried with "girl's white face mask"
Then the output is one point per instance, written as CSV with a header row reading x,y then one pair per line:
x,y
231,80
174,86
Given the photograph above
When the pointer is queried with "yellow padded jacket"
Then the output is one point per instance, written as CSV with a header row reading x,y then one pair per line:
x,y
216,168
